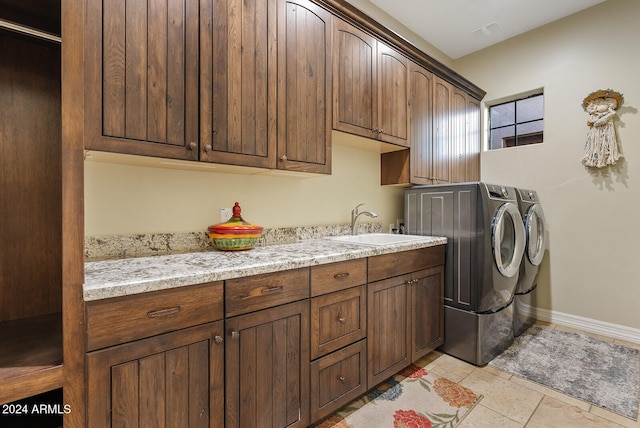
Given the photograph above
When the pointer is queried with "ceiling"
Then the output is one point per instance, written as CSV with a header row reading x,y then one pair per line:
x,y
461,27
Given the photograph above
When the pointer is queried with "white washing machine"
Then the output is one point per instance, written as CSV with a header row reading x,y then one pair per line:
x,y
535,232
485,244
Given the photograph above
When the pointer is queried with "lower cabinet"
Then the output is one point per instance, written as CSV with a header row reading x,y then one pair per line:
x,y
170,380
267,367
405,313
387,328
337,379
427,311
338,335
283,349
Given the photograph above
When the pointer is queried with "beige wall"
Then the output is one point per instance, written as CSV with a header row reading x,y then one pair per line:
x,y
592,266
128,199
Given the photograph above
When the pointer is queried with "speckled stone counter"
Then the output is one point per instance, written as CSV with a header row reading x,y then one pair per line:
x,y
113,278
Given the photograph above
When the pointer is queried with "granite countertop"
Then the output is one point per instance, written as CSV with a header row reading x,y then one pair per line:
x,y
113,278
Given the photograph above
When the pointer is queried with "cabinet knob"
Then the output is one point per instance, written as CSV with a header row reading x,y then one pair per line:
x,y
218,339
342,319
235,335
208,148
342,379
283,158
192,145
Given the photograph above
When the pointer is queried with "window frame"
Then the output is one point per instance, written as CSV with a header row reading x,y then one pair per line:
x,y
517,140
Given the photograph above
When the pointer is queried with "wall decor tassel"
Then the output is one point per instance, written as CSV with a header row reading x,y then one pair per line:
x,y
602,144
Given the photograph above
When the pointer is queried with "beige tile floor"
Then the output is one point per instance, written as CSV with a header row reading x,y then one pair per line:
x,y
512,402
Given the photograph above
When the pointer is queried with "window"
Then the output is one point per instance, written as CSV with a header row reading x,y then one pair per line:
x,y
516,123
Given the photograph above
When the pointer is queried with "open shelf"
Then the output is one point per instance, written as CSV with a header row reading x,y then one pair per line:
x,y
30,357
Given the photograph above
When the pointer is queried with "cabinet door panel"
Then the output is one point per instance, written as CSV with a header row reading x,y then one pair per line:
x,y
174,379
388,326
355,91
124,406
237,87
442,124
393,96
421,125
338,378
145,56
427,311
267,378
304,86
473,140
337,319
458,137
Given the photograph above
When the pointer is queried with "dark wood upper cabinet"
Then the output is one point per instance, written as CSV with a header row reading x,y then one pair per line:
x,y
421,113
238,69
465,137
354,85
142,60
393,96
371,87
441,131
304,86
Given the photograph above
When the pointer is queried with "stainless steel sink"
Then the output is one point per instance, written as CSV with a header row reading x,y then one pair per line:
x,y
377,238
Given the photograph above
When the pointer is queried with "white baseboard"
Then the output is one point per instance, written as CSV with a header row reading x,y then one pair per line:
x,y
615,331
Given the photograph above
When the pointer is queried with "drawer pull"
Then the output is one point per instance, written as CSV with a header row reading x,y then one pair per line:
x,y
342,275
270,290
342,379
341,319
164,312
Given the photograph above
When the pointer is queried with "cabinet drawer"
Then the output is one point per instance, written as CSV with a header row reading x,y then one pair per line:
x,y
257,292
337,379
128,318
394,264
337,319
338,276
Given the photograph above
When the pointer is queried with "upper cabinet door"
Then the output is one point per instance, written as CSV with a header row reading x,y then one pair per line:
x,y
354,85
442,130
238,74
465,137
393,96
458,136
371,87
421,155
304,86
143,59
473,139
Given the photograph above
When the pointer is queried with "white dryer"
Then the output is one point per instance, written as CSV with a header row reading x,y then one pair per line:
x,y
525,305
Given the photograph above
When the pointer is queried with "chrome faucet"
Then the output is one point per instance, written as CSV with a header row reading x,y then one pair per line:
x,y
355,218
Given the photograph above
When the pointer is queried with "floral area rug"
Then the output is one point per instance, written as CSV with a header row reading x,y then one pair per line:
x,y
601,373
413,398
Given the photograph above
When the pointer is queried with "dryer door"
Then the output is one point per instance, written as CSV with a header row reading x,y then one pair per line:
x,y
535,227
508,239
